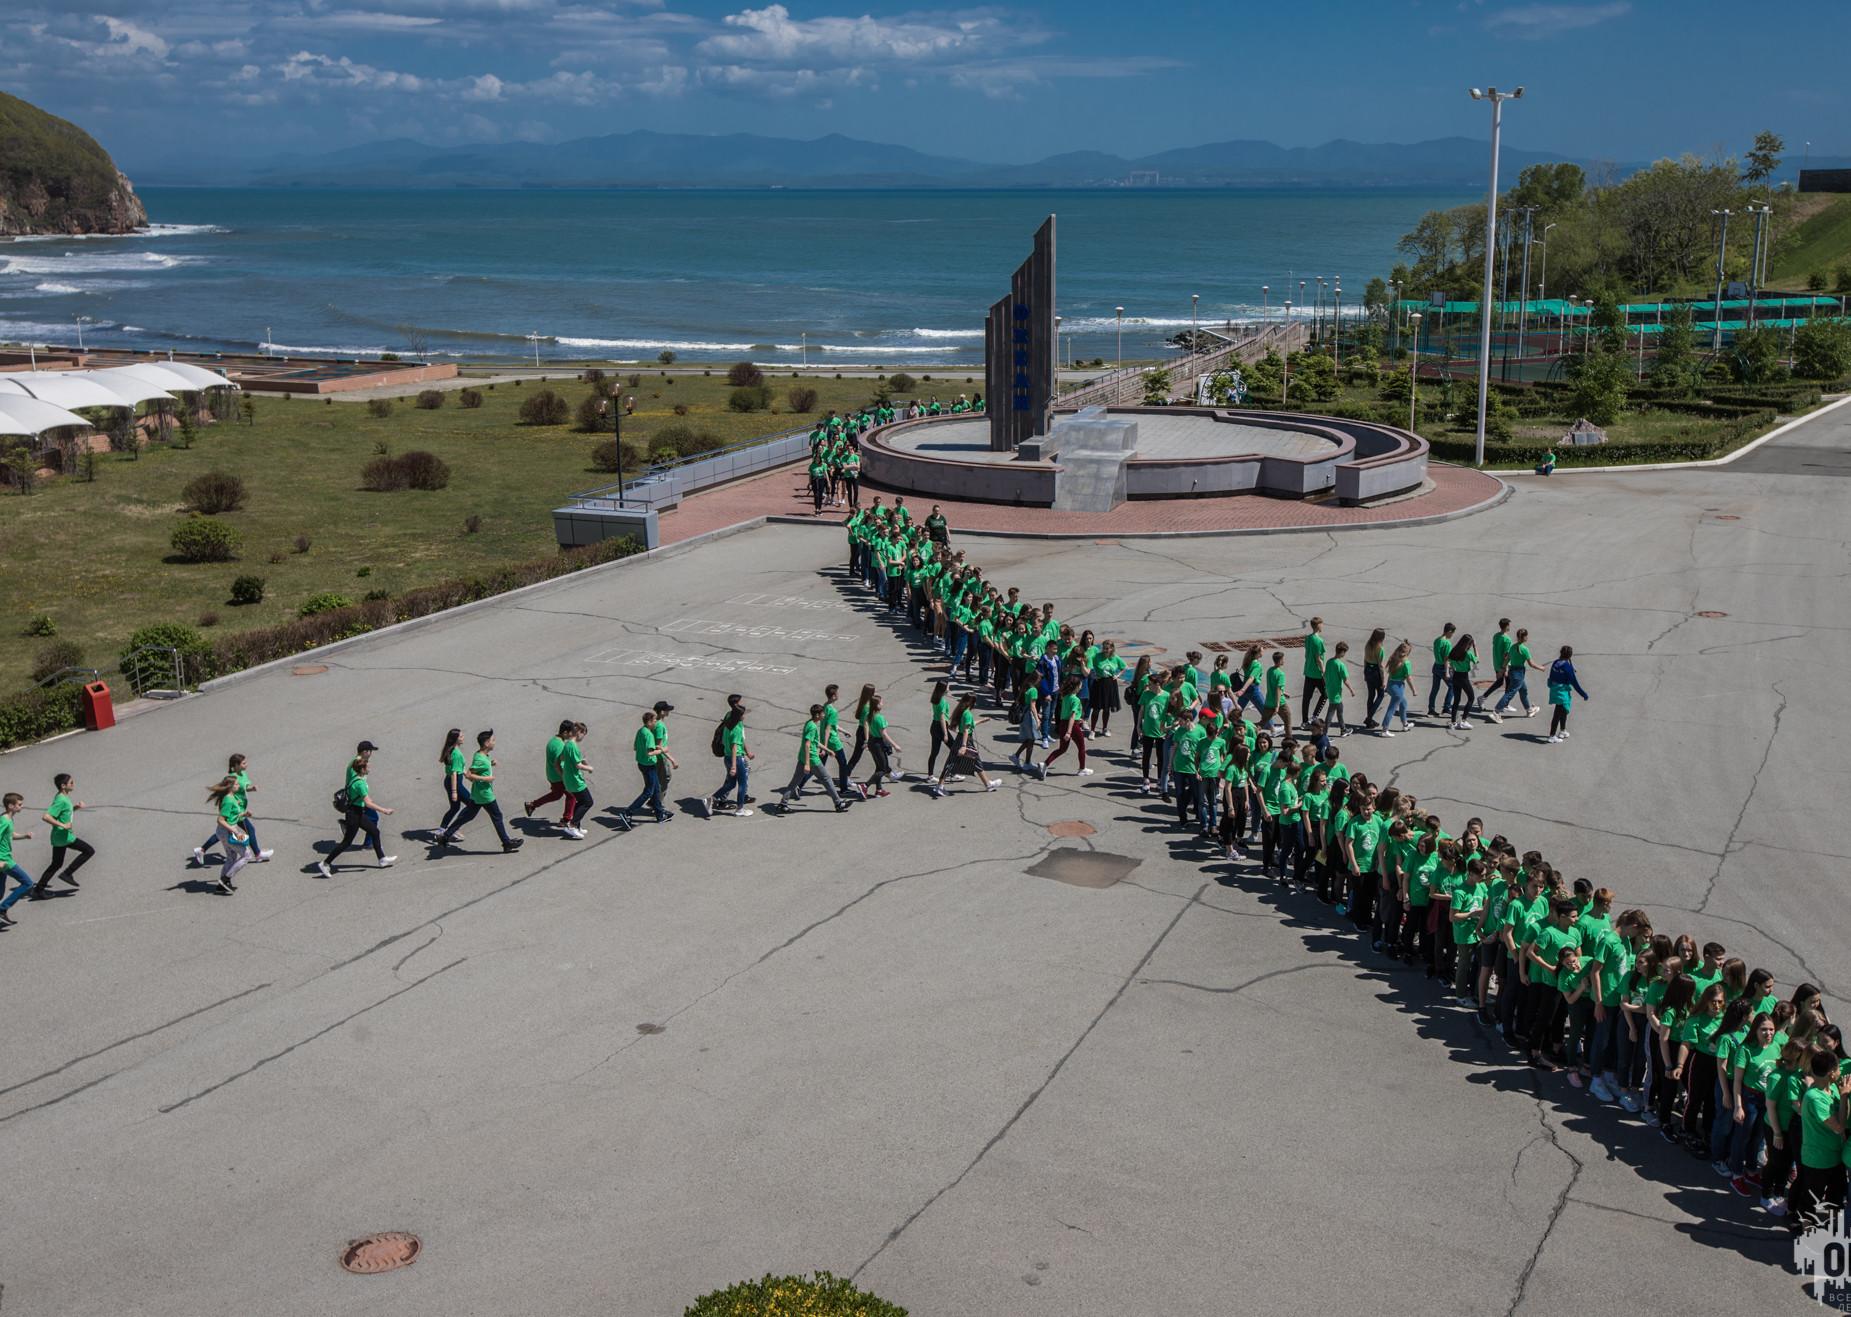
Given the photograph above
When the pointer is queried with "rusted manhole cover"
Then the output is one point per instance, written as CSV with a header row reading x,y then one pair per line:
x,y
1071,828
647,1028
1094,869
1727,516
377,1253
1712,612
1242,646
308,669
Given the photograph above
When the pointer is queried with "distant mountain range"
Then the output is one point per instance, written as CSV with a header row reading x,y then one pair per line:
x,y
649,159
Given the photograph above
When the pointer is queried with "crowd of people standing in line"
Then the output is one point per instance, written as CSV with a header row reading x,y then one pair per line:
x,y
1692,1042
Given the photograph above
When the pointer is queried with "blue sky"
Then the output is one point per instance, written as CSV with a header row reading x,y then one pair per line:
x,y
168,81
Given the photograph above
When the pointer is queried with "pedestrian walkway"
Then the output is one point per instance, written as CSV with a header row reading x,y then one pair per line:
x,y
1451,490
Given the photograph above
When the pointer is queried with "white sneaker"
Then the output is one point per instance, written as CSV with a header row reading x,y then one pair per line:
x,y
1564,733
1086,772
199,855
1531,712
1495,716
1406,726
1555,740
387,861
898,776
264,855
1600,1090
955,777
576,834
992,784
321,866
1384,732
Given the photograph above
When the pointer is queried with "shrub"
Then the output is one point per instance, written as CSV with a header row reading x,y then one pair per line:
x,y
802,398
372,595
429,400
749,399
901,383
325,602
591,413
379,407
382,448
544,408
145,666
636,381
382,475
666,358
276,556
1157,388
41,625
604,456
592,376
744,375
208,618
364,572
424,470
1815,282
35,714
56,657
1598,383
821,1295
470,399
302,543
1754,356
214,492
186,430
471,524
201,539
1822,350
684,440
247,590
680,409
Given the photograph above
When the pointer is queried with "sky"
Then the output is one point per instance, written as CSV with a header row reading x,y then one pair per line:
x,y
182,84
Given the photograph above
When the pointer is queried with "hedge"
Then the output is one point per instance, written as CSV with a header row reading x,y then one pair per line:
x,y
35,714
821,1295
1703,448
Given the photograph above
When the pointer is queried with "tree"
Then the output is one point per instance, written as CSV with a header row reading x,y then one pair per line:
x,y
1265,380
1763,157
1822,350
1375,295
744,375
1754,356
1598,383
1157,388
1676,368
1608,321
666,357
1551,188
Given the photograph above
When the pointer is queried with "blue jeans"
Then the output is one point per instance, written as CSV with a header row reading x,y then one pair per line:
x,y
651,794
1397,703
1745,1139
738,776
25,880
960,643
1516,687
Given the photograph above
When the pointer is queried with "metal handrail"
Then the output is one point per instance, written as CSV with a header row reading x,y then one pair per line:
x,y
656,470
64,674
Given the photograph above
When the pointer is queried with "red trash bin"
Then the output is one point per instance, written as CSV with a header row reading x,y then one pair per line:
x,y
99,709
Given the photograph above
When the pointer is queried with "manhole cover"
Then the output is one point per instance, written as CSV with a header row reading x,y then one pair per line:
x,y
651,1028
1712,612
1727,516
308,669
1071,828
1105,543
377,1253
1242,646
1083,868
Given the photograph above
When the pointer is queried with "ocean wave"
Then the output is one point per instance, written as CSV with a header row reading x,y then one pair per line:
x,y
69,263
147,231
946,333
49,287
30,331
874,347
318,350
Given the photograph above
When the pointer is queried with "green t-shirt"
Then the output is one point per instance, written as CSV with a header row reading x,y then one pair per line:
x,y
571,777
1336,672
1069,707
1464,662
1275,687
1500,650
941,711
1820,1148
1401,671
61,810
1314,654
231,810
1154,714
554,745
1616,963
482,766
1703,978
1212,762
809,753
877,726
357,791
1442,650
1469,897
1701,1032
1519,657
1109,667
1365,839
1185,745
831,738
1550,942
644,743
457,763
1287,802
1423,874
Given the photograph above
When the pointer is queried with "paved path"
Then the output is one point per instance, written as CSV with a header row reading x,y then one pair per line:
x,y
786,493
602,1077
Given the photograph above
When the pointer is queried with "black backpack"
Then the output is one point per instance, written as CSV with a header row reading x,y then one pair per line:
x,y
719,745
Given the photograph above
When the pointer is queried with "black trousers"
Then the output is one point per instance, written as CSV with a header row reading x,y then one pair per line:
x,y
84,851
1543,1026
353,824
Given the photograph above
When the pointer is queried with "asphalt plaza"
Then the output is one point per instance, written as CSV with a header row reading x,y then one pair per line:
x,y
604,1076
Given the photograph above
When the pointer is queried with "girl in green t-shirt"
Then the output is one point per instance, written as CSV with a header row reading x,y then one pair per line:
x,y
881,746
1461,660
361,816
941,723
1105,700
1069,723
229,801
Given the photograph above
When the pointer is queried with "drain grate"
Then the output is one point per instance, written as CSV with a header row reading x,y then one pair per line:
x,y
1071,828
1241,646
1094,869
377,1253
1712,612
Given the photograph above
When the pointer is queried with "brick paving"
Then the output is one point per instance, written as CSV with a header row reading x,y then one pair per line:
x,y
786,493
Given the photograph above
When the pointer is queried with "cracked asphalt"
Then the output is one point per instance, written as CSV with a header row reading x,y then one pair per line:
x,y
606,1076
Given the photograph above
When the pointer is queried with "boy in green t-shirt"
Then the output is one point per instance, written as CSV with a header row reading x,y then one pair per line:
x,y
1551,946
1441,684
651,752
480,775
1314,669
1819,1184
10,805
809,765
555,745
64,838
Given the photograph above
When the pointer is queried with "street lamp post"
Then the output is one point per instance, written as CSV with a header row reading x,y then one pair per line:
x,y
534,338
1266,302
1285,379
80,332
1722,244
1413,368
1317,315
616,410
1523,287
1121,337
1057,342
1336,322
1497,99
805,335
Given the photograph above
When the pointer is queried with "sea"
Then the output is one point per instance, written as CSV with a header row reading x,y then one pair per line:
x,y
827,277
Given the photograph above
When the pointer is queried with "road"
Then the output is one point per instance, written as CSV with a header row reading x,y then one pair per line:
x,y
605,1076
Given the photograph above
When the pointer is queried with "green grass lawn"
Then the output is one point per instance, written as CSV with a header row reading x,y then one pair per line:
x,y
93,555
1821,245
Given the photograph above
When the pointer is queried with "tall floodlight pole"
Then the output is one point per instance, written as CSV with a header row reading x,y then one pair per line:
x,y
1722,243
1523,286
1121,337
80,332
1336,322
1497,99
1266,302
806,346
1195,334
1413,368
534,338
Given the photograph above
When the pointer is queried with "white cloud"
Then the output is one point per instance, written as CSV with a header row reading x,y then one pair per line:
x,y
365,20
784,84
319,70
1549,20
483,87
771,35
125,38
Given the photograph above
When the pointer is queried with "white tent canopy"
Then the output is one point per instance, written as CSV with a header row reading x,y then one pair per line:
x,y
70,389
127,386
175,376
22,415
201,377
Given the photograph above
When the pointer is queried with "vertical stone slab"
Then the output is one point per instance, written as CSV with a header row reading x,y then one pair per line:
x,y
1019,350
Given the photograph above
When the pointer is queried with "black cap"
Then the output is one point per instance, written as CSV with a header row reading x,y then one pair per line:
x,y
663,706
364,747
